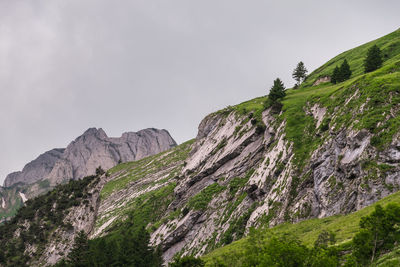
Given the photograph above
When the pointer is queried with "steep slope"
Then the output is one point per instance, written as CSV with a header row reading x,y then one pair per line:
x,y
95,205
332,149
329,150
389,45
344,227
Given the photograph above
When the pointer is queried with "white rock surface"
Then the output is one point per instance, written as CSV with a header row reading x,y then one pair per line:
x,y
23,197
89,151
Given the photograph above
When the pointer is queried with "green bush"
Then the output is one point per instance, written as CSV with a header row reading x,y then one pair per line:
x,y
201,200
379,232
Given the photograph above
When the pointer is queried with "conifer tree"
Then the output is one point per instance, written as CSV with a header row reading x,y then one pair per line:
x,y
373,60
277,90
335,75
79,254
341,73
299,73
344,71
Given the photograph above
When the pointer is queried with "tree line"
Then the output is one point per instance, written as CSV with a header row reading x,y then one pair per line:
x,y
372,61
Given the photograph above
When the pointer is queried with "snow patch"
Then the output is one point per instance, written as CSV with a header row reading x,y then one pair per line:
x,y
22,195
3,203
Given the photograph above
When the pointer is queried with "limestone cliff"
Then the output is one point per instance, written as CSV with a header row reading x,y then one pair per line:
x,y
81,158
90,150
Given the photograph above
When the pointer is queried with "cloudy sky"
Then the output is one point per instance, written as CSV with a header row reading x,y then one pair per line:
x,y
122,65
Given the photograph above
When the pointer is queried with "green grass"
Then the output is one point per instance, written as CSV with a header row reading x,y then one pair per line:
x,y
373,91
391,259
132,171
389,45
202,199
344,227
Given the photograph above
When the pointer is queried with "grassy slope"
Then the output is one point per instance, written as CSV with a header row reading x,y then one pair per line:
x,y
148,207
389,45
344,226
380,90
373,89
133,171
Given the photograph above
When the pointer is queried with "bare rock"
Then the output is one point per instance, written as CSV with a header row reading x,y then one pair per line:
x,y
89,151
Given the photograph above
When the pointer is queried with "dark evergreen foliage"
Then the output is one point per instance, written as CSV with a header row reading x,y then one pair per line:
x,y
78,256
44,214
299,73
341,73
126,246
373,61
344,70
335,75
187,261
277,91
99,171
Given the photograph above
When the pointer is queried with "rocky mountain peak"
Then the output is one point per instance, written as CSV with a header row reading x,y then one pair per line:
x,y
88,151
100,133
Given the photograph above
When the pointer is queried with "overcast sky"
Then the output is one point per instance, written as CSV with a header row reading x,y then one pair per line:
x,y
121,65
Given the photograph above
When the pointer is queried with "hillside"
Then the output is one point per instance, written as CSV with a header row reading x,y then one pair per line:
x,y
330,150
343,226
81,158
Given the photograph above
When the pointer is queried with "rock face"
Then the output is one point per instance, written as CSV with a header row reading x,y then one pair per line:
x,y
324,79
36,169
89,151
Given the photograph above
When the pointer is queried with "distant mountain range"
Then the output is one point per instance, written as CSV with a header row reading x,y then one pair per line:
x,y
81,158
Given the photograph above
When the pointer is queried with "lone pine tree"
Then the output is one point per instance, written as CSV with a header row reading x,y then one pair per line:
x,y
299,73
373,60
277,90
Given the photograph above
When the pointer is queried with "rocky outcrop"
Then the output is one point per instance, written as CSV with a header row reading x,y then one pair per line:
x,y
36,169
342,176
320,80
89,151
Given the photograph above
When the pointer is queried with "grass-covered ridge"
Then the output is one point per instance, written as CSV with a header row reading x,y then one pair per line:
x,y
365,101
155,178
389,45
368,101
135,170
343,226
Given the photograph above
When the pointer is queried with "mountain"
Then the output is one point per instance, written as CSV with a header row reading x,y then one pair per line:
x,y
327,150
90,150
36,169
81,158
